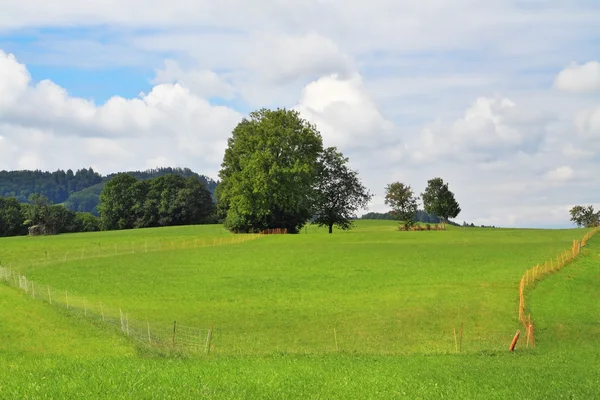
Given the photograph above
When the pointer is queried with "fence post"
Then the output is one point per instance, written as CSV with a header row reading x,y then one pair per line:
x,y
528,329
174,329
455,341
208,339
32,290
514,341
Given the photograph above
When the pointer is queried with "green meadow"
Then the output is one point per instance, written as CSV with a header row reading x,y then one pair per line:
x,y
368,313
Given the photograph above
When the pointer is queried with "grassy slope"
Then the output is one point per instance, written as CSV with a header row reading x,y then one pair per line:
x,y
566,307
383,291
29,328
539,374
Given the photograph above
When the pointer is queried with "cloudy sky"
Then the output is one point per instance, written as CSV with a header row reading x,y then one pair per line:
x,y
500,98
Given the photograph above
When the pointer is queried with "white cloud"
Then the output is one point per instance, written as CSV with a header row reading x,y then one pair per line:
x,y
284,59
579,78
560,174
169,123
345,114
471,104
588,123
489,129
204,83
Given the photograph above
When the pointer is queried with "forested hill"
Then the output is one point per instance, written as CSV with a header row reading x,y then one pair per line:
x,y
80,190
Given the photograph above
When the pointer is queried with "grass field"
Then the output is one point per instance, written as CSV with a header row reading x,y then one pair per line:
x,y
394,299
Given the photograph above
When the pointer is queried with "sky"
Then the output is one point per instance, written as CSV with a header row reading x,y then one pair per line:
x,y
500,98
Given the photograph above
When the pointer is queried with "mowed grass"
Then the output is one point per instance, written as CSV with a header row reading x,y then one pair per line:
x,y
381,290
566,307
31,328
96,364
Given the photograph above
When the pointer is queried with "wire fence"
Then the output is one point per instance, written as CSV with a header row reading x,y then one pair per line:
x,y
175,337
539,272
99,249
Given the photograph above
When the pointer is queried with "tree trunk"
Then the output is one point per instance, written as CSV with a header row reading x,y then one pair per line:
x,y
330,228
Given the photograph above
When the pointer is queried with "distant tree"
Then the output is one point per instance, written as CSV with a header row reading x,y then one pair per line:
x,y
117,202
401,199
39,213
439,200
86,222
11,217
375,215
339,192
268,172
584,216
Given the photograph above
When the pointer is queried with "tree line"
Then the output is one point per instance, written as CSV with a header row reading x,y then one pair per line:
x,y
80,190
127,203
276,174
41,216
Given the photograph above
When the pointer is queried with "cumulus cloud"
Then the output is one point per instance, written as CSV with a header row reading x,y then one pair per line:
x,y
284,59
489,129
44,127
560,174
579,78
203,82
345,114
588,123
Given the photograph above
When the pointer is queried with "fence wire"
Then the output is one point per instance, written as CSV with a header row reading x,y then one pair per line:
x,y
173,337
176,337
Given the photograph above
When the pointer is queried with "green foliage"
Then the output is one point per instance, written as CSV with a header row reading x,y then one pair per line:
x,y
584,216
401,199
56,186
11,217
117,202
439,200
79,191
164,201
268,172
339,192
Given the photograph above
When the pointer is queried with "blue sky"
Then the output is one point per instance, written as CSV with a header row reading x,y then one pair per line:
x,y
499,98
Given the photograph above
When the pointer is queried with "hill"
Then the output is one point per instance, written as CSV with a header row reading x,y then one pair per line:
x,y
80,190
372,312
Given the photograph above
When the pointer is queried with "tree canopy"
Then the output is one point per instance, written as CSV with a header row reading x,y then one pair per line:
x,y
268,172
164,201
339,192
584,216
80,190
439,200
401,199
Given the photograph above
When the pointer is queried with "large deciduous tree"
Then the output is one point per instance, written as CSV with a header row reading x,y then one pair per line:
x,y
268,172
439,200
339,191
401,199
117,202
584,216
164,201
11,218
